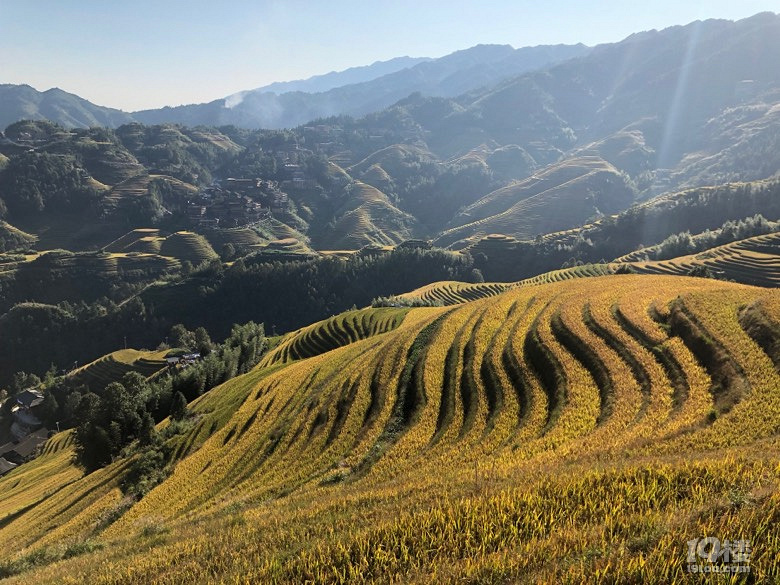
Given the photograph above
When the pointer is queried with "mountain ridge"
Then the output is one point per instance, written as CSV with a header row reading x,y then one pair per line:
x,y
360,89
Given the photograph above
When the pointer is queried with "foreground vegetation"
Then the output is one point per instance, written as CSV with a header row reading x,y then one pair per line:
x,y
580,430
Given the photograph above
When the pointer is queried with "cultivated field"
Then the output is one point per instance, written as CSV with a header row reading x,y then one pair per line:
x,y
575,431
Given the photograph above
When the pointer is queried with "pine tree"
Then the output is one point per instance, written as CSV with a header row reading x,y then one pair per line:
x,y
178,406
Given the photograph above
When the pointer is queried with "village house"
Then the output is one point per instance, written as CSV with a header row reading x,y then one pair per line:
x,y
24,449
29,398
25,420
183,360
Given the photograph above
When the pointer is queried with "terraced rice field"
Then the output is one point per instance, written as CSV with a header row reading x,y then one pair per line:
x,y
335,332
182,246
78,276
139,185
112,367
576,431
454,292
188,246
557,198
127,240
242,238
753,261
368,217
584,271
286,249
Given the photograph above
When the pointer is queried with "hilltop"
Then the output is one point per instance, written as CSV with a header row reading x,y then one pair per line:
x,y
22,102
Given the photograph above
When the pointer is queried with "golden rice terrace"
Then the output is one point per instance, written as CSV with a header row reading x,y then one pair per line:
x,y
575,431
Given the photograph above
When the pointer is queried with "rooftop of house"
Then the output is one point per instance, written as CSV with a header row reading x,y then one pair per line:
x,y
29,398
30,443
6,466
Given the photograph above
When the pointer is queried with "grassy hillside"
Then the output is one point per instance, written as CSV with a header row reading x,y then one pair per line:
x,y
577,431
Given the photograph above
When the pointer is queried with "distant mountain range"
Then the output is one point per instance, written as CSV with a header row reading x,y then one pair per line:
x,y
22,102
335,79
535,153
355,91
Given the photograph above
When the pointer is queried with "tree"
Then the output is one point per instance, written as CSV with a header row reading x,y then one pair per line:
x,y
148,433
228,250
181,337
203,342
178,407
93,446
71,407
22,381
49,408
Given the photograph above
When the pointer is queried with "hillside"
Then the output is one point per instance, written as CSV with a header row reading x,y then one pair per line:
x,y
58,275
365,216
583,419
562,196
547,151
503,316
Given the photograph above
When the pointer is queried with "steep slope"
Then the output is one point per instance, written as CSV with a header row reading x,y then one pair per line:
x,y
553,414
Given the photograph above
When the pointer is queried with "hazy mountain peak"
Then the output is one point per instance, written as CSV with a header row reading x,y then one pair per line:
x,y
326,81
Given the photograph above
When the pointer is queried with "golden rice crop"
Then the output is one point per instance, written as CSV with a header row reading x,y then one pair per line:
x,y
565,432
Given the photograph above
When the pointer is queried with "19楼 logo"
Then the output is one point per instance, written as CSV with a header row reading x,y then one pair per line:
x,y
710,555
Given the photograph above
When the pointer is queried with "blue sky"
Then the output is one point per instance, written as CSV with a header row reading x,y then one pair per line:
x,y
144,54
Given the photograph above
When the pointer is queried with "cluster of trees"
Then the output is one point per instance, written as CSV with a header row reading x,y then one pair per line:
x,y
109,419
288,295
684,243
284,295
404,302
34,182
